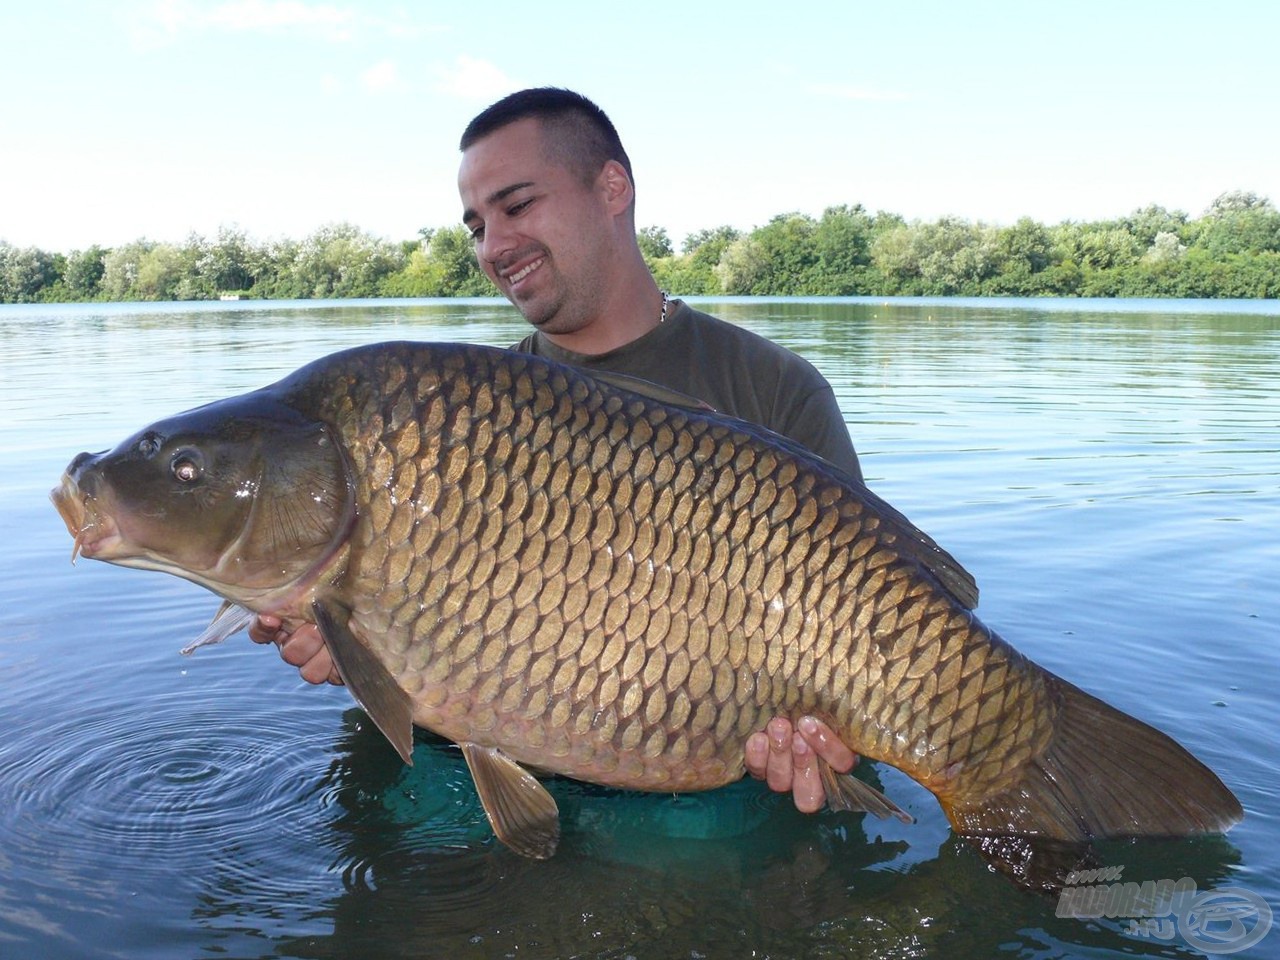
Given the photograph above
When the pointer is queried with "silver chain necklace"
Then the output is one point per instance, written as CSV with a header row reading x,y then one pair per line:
x,y
662,318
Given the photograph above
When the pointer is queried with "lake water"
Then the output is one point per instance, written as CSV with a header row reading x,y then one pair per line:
x,y
1110,472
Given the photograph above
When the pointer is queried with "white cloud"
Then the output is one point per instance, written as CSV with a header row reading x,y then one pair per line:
x,y
471,79
844,92
162,21
381,76
329,21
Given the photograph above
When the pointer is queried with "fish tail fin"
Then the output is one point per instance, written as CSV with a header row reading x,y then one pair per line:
x,y
1103,774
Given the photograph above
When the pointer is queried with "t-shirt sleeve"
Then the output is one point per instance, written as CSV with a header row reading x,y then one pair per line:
x,y
816,422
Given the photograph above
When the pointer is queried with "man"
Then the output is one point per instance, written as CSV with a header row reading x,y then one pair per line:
x,y
549,199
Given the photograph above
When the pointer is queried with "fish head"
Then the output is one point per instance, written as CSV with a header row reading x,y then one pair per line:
x,y
245,496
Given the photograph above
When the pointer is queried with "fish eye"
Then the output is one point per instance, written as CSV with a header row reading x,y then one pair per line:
x,y
187,466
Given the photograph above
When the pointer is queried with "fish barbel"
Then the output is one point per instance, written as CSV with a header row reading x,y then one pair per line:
x,y
601,580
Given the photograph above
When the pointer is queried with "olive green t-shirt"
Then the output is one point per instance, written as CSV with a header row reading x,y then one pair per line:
x,y
735,371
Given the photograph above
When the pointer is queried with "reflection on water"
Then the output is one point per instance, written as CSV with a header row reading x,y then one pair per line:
x,y
1112,477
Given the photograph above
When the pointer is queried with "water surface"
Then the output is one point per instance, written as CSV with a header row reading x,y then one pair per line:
x,y
1110,472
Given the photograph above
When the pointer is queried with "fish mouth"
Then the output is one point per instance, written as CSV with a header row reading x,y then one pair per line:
x,y
95,534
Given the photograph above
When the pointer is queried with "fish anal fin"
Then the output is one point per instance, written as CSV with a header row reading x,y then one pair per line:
x,y
847,793
522,813
372,685
1102,774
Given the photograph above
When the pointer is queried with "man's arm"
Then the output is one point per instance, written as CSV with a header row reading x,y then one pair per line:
x,y
785,758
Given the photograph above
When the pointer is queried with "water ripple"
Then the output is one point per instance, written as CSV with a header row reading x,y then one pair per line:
x,y
123,794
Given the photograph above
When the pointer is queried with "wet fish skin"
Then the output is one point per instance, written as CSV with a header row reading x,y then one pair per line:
x,y
555,568
552,571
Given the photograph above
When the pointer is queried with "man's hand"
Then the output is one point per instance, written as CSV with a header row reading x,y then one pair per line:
x,y
304,648
784,758
787,759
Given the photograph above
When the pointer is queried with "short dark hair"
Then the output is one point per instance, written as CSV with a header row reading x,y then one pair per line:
x,y
577,130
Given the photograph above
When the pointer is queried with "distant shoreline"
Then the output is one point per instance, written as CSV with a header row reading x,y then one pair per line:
x,y
1232,251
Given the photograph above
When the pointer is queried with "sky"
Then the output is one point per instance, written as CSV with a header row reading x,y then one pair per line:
x,y
157,119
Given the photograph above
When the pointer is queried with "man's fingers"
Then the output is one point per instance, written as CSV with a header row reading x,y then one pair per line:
x,y
806,783
301,646
778,767
304,649
826,744
265,629
320,669
757,754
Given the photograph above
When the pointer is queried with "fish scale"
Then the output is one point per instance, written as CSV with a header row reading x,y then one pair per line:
x,y
742,524
607,582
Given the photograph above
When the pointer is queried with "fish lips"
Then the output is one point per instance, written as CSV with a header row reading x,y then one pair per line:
x,y
95,533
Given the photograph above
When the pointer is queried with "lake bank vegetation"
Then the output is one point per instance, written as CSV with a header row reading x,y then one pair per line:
x,y
1232,250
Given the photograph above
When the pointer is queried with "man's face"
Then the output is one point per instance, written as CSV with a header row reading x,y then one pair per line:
x,y
540,232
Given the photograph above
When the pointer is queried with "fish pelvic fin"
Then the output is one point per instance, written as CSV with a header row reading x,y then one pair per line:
x,y
372,685
1103,774
847,793
522,813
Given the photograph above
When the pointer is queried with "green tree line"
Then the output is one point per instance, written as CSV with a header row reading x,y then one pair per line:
x,y
1232,250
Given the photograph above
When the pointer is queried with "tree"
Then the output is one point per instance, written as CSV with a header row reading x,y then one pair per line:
x,y
694,271
1102,246
741,266
1240,222
340,260
230,263
654,243
163,275
949,256
24,273
120,269
1150,221
777,259
1165,247
842,242
451,249
82,274
443,264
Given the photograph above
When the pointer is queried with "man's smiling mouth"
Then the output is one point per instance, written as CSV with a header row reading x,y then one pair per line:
x,y
523,272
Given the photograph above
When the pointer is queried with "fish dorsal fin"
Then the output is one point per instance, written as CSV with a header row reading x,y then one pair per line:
x,y
368,680
913,542
654,391
522,813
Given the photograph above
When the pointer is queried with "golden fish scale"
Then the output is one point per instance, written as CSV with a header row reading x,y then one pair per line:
x,y
623,592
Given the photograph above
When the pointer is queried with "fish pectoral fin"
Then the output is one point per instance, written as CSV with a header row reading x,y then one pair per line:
x,y
370,683
522,813
847,793
230,618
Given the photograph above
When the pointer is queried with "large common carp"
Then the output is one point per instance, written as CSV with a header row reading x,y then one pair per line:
x,y
607,583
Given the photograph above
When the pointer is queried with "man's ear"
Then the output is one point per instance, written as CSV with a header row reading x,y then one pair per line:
x,y
616,186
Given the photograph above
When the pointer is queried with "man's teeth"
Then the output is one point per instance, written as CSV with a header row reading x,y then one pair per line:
x,y
524,272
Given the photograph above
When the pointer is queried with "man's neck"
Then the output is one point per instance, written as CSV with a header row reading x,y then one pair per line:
x,y
625,317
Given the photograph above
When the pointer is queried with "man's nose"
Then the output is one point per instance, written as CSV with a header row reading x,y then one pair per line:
x,y
495,243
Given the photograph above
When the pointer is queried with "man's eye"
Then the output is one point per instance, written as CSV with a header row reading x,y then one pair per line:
x,y
477,234
519,207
